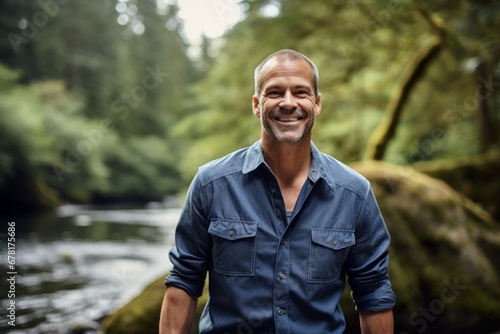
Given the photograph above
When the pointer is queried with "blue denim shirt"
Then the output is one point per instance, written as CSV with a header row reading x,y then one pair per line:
x,y
267,272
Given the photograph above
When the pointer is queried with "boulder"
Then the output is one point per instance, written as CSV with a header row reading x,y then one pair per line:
x,y
444,262
142,314
478,178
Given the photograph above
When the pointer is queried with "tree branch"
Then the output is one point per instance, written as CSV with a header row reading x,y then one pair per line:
x,y
415,70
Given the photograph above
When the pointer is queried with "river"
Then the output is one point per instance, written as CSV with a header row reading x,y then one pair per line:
x,y
75,266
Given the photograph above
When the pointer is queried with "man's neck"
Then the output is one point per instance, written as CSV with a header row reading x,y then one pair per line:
x,y
289,162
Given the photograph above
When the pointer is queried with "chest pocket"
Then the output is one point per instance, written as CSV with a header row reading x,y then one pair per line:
x,y
233,251
327,254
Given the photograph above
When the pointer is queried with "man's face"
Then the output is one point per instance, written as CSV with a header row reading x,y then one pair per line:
x,y
287,104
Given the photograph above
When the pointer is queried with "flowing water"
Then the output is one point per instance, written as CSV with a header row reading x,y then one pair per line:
x,y
76,266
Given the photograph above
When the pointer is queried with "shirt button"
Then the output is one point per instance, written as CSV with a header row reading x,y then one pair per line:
x,y
278,214
335,243
283,241
273,190
281,312
231,233
281,276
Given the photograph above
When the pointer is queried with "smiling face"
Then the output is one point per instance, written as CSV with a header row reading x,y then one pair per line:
x,y
287,103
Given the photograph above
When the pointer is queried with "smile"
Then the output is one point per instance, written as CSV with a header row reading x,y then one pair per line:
x,y
287,119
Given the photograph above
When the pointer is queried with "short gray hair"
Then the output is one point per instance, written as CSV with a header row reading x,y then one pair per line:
x,y
281,56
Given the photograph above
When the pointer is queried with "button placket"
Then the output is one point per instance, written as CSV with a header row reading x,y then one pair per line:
x,y
282,287
281,292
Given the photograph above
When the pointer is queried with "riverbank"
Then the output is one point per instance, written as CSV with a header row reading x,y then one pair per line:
x,y
80,265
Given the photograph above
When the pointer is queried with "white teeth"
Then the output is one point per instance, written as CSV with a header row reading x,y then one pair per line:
x,y
287,119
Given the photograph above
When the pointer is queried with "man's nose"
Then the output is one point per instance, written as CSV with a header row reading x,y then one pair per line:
x,y
288,101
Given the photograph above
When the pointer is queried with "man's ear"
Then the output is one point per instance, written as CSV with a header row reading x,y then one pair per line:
x,y
256,106
318,105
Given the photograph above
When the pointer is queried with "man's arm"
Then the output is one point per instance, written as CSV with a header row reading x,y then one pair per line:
x,y
177,311
368,271
376,322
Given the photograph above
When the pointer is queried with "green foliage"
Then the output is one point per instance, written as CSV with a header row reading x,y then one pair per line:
x,y
20,116
41,123
130,86
141,168
24,149
90,119
8,77
47,135
361,48
76,169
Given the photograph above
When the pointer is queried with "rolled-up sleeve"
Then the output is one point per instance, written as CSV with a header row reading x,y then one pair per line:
x,y
368,261
190,254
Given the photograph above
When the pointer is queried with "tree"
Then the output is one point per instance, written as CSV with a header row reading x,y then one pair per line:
x,y
414,71
105,81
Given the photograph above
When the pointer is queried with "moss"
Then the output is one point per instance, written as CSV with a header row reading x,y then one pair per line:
x,y
140,315
405,281
438,237
478,178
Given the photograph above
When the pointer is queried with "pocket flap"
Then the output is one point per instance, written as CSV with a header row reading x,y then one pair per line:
x,y
333,239
232,229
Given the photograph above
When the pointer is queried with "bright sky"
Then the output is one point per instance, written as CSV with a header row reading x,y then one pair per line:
x,y
209,17
200,17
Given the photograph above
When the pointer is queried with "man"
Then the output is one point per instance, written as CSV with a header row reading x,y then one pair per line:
x,y
278,226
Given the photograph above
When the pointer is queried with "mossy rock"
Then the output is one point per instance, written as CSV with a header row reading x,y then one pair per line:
x,y
478,178
444,262
142,314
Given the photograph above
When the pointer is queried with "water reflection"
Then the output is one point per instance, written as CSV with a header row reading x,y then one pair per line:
x,y
78,265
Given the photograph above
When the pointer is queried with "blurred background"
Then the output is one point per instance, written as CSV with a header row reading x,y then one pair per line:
x,y
108,107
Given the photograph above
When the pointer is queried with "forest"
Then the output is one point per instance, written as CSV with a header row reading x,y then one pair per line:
x,y
101,101
96,111
88,105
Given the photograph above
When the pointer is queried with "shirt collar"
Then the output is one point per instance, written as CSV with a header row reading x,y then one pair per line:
x,y
254,158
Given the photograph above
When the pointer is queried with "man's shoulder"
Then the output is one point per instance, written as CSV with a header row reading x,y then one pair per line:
x,y
344,176
226,165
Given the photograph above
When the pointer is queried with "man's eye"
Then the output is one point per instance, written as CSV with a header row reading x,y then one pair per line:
x,y
273,93
303,93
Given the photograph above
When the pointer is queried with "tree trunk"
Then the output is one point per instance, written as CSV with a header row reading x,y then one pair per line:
x,y
71,70
377,144
486,122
